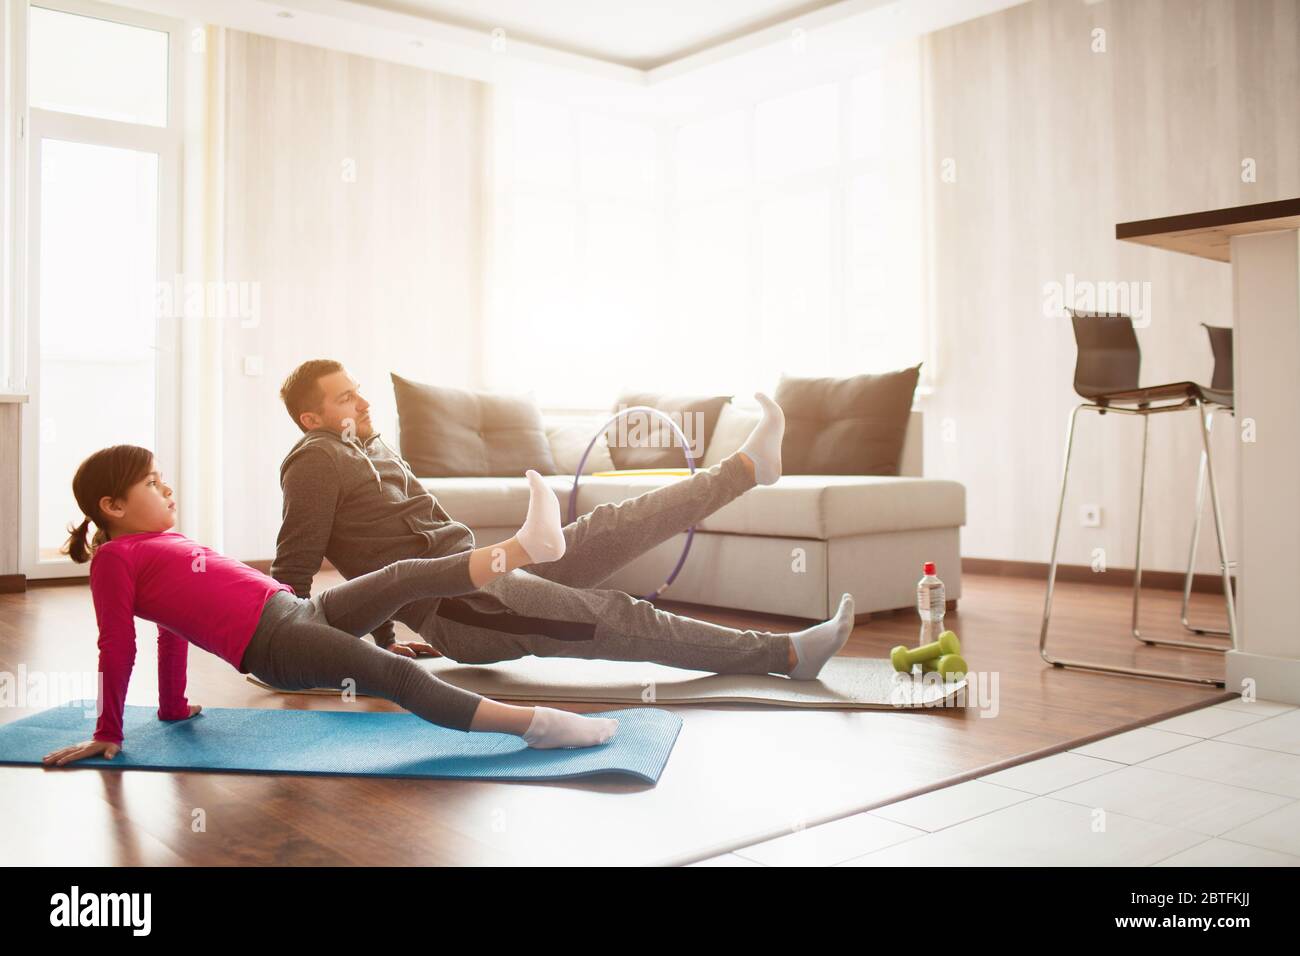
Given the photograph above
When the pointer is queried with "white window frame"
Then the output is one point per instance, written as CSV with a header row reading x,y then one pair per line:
x,y
167,143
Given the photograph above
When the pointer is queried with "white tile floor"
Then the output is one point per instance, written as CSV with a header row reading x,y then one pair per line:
x,y
1218,786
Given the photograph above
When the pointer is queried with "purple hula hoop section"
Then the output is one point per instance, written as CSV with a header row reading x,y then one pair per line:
x,y
690,463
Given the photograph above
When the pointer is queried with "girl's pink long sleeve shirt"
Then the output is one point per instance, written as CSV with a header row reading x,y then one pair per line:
x,y
194,595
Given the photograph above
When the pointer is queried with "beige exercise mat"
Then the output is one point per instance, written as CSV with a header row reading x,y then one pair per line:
x,y
850,683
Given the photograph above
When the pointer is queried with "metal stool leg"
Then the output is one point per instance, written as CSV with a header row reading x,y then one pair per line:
x,y
1056,536
1196,540
1218,526
1137,551
1137,576
1051,572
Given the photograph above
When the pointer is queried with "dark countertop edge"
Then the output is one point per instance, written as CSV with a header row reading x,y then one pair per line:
x,y
1210,219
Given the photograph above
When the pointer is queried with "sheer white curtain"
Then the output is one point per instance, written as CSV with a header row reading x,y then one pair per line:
x,y
781,235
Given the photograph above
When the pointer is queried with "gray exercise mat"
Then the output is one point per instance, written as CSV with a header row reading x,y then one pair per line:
x,y
849,683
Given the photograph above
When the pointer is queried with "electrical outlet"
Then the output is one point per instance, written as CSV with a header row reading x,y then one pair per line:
x,y
1090,516
252,365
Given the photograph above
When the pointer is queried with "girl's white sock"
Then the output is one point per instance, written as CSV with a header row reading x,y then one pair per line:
x,y
814,646
541,535
764,442
558,728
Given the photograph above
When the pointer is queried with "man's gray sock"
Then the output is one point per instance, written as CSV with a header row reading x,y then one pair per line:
x,y
815,645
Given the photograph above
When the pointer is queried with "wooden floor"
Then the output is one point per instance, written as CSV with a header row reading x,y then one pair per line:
x,y
738,774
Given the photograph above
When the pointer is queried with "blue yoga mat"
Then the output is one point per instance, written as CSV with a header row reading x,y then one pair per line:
x,y
348,743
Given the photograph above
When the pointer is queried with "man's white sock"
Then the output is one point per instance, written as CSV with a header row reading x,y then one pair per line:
x,y
764,442
541,535
552,728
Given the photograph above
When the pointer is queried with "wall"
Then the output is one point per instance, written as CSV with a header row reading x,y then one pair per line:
x,y
1052,145
353,199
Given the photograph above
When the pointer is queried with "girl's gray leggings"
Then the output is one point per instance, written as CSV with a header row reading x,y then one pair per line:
x,y
302,643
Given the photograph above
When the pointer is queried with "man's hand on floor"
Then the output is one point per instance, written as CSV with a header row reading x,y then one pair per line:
x,y
413,649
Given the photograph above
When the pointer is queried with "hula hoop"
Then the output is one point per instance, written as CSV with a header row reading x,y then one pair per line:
x,y
690,463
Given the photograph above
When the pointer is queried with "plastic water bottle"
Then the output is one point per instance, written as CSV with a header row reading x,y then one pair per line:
x,y
930,604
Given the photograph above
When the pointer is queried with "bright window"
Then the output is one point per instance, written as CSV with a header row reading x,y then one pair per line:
x,y
93,67
782,236
99,255
101,246
798,133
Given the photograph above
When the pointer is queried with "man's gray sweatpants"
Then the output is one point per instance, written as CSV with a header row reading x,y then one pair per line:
x,y
555,609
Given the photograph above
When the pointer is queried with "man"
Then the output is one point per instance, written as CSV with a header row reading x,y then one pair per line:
x,y
349,497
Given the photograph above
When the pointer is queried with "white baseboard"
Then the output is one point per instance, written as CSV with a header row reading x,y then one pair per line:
x,y
1274,678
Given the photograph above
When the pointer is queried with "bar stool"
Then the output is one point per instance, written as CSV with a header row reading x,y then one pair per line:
x,y
1106,374
1221,384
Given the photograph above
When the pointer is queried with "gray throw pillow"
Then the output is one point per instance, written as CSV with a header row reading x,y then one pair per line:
x,y
646,441
455,432
846,426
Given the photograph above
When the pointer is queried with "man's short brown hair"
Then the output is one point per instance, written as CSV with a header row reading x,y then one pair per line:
x,y
301,391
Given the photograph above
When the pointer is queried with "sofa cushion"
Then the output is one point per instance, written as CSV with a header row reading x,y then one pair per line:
x,y
569,438
798,506
735,423
845,426
646,441
459,432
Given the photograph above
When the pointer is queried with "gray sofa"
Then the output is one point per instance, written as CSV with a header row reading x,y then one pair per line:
x,y
789,548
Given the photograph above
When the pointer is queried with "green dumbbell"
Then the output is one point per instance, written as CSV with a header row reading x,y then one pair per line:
x,y
951,666
904,657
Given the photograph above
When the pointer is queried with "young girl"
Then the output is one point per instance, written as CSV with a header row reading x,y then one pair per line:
x,y
139,567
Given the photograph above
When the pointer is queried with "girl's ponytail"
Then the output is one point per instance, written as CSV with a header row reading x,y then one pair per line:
x,y
76,547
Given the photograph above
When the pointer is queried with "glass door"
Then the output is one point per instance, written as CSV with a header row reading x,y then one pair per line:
x,y
102,224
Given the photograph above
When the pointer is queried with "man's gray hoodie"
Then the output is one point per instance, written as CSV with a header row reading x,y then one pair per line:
x,y
356,502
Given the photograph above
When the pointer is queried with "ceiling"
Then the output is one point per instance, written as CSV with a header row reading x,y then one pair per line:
x,y
672,59
640,34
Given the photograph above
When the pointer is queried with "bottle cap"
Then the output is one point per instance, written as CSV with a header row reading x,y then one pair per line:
x,y
929,567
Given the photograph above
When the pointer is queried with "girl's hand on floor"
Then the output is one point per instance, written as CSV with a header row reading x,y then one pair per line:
x,y
91,748
413,649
